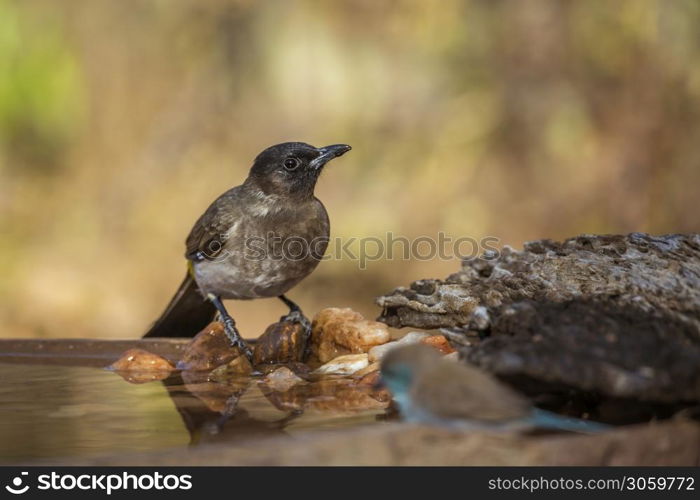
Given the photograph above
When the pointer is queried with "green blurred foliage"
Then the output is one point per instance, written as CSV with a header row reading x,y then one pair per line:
x,y
520,119
40,93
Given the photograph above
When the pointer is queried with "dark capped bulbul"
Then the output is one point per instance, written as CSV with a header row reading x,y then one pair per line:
x,y
256,240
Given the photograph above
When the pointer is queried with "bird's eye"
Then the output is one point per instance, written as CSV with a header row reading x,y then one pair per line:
x,y
291,163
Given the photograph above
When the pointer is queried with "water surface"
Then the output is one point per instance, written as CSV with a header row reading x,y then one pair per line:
x,y
49,411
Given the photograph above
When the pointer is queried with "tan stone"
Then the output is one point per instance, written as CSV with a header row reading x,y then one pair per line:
x,y
139,366
340,331
344,365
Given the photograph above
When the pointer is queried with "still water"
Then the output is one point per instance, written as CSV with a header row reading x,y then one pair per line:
x,y
64,411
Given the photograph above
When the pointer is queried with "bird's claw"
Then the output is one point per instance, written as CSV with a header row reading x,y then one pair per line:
x,y
298,317
235,338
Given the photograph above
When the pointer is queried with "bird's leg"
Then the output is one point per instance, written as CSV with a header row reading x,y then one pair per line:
x,y
295,315
229,410
230,327
282,423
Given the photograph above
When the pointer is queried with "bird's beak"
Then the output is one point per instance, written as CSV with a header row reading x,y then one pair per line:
x,y
327,153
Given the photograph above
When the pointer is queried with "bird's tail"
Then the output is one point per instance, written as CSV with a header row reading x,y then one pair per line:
x,y
187,313
547,420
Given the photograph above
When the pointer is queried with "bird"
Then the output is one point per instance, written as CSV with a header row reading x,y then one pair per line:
x,y
431,390
256,240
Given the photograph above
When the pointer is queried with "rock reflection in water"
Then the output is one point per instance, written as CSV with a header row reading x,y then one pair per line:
x,y
331,394
215,411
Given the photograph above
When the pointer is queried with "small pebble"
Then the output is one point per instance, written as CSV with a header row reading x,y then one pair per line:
x,y
139,366
282,379
344,365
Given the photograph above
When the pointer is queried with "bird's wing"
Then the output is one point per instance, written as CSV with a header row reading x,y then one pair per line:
x,y
211,231
459,391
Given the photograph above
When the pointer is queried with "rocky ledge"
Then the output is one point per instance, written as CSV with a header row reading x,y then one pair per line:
x,y
610,323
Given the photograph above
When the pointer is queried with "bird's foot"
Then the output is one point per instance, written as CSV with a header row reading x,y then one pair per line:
x,y
235,338
296,316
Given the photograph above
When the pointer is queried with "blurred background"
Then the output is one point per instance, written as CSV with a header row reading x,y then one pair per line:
x,y
121,121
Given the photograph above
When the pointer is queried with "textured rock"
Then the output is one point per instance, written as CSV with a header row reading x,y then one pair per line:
x,y
139,366
597,347
340,331
618,316
344,365
208,349
282,342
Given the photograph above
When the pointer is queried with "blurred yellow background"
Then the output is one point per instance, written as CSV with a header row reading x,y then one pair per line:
x,y
120,121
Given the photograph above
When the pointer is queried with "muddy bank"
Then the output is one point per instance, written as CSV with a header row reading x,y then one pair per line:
x,y
403,444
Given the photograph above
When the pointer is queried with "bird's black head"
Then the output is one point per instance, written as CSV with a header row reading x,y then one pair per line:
x,y
292,168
